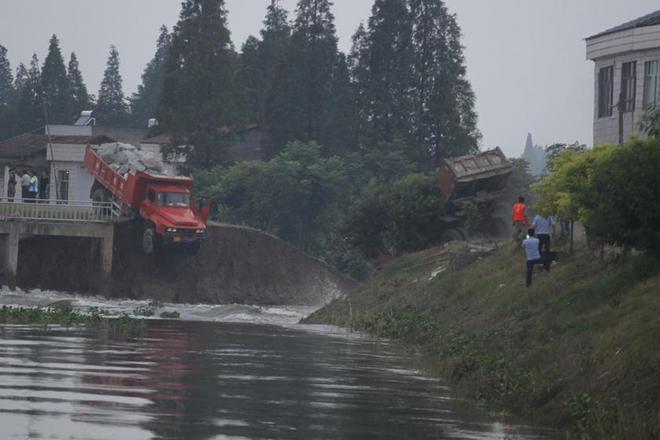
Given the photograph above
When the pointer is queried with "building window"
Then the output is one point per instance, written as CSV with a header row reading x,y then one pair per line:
x,y
605,91
650,84
63,184
628,86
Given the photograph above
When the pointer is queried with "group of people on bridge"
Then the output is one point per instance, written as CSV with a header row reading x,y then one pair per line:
x,y
33,188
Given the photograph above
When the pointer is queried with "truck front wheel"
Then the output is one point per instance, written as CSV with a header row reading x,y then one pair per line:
x,y
149,239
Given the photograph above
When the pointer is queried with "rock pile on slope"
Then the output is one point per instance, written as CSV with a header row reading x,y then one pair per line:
x,y
126,157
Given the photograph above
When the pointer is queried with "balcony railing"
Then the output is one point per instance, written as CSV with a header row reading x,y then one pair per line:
x,y
59,210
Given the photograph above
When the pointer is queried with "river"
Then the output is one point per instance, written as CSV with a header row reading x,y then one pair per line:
x,y
220,372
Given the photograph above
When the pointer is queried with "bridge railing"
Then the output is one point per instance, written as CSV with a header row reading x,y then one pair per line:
x,y
59,210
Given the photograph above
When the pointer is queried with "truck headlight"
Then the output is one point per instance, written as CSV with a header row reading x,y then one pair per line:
x,y
170,230
201,231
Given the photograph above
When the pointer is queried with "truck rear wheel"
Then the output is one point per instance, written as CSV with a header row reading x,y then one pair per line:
x,y
453,235
102,195
149,239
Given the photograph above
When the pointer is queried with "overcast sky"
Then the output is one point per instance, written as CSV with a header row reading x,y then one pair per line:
x,y
525,58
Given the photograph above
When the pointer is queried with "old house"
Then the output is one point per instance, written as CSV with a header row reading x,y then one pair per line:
x,y
627,68
60,157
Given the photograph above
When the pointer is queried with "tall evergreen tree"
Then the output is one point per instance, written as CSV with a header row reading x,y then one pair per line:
x,y
446,123
6,79
111,108
251,76
55,86
20,79
301,101
146,102
82,100
201,98
275,41
6,92
29,114
383,74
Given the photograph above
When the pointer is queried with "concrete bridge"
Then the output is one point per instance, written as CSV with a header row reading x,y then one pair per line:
x,y
55,219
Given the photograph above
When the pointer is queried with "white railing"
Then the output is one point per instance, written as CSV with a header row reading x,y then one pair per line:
x,y
59,210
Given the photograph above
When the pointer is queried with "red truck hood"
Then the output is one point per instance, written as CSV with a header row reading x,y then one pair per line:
x,y
180,218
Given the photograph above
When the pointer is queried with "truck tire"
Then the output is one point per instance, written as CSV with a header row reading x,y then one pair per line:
x,y
452,235
102,195
149,240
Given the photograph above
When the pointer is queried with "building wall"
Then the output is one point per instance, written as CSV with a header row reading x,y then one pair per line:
x,y
640,45
606,129
68,130
80,181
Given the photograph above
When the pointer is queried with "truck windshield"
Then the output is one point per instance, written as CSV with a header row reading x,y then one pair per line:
x,y
181,200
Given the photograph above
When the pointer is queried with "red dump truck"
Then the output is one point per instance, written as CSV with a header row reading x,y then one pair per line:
x,y
161,204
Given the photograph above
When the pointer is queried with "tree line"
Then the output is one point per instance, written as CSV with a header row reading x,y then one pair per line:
x,y
402,87
353,139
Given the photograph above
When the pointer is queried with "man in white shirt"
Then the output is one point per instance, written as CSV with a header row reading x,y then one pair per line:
x,y
543,227
25,185
533,253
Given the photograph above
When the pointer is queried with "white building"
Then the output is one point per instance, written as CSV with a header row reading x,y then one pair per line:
x,y
59,156
627,69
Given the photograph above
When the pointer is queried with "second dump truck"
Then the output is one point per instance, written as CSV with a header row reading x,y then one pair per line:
x,y
472,188
161,204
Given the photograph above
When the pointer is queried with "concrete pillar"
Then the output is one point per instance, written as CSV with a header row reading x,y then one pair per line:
x,y
10,257
106,256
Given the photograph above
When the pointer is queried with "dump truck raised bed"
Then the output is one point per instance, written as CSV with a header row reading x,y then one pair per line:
x,y
161,204
472,189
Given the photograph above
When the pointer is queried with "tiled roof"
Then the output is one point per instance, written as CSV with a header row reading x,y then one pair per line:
x,y
648,20
27,145
161,139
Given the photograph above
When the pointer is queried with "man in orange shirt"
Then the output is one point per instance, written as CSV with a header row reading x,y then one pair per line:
x,y
519,217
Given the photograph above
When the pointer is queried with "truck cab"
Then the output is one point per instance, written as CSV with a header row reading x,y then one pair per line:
x,y
171,219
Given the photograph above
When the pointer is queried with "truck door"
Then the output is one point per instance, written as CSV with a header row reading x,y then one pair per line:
x,y
149,204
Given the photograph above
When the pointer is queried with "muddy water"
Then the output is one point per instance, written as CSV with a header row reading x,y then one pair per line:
x,y
213,379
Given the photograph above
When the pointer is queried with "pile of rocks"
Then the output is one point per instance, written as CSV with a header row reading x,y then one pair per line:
x,y
126,157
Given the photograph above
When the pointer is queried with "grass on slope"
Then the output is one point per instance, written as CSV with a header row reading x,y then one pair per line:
x,y
580,349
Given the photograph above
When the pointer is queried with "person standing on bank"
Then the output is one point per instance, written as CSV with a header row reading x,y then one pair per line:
x,y
543,225
533,253
519,217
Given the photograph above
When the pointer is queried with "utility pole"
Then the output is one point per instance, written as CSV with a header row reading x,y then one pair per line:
x,y
621,107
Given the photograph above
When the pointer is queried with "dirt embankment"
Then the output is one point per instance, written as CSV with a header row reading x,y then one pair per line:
x,y
579,350
236,265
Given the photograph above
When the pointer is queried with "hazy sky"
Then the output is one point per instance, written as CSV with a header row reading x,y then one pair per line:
x,y
525,58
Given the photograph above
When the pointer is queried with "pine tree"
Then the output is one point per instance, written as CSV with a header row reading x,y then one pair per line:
x,y
146,102
111,108
6,80
20,82
55,86
6,94
300,104
29,114
445,120
82,100
251,76
201,98
383,74
343,122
